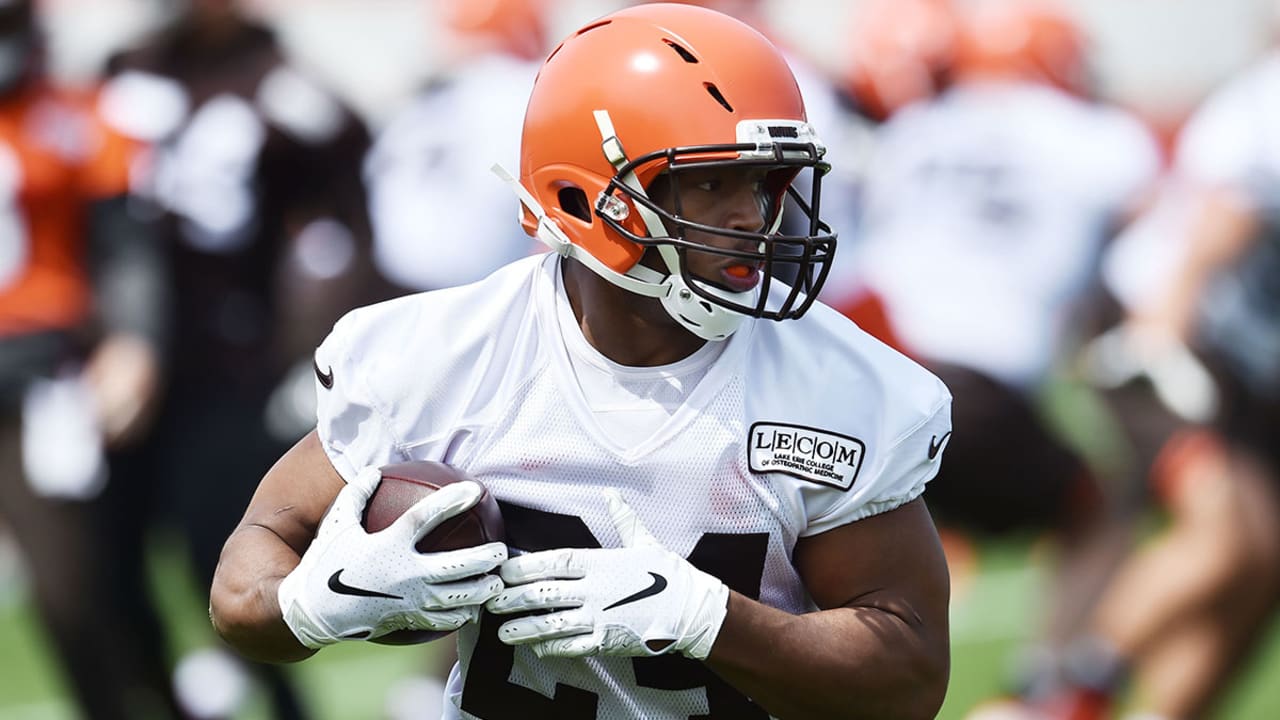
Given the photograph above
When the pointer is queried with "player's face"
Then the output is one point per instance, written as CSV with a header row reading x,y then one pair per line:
x,y
727,197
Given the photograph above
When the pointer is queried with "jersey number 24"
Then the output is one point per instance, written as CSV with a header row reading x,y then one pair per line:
x,y
738,560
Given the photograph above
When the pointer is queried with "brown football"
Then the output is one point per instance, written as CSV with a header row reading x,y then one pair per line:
x,y
404,484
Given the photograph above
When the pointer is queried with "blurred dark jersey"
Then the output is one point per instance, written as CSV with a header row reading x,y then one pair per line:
x,y
254,169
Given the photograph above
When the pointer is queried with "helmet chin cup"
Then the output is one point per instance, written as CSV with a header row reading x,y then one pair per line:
x,y
701,316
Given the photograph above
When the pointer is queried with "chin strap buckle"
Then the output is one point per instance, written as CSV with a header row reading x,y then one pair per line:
x,y
548,231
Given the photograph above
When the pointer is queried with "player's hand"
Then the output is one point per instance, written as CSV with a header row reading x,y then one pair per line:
x,y
637,600
356,585
123,373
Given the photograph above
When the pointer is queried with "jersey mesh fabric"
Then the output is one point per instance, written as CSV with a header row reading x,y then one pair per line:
x,y
681,491
996,198
629,404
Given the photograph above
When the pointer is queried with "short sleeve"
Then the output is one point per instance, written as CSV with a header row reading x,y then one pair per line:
x,y
897,476
350,421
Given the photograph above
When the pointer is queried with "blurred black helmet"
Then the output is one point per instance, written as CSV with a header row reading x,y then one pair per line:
x,y
18,42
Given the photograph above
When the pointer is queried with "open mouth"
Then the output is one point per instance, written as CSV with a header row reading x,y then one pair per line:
x,y
740,277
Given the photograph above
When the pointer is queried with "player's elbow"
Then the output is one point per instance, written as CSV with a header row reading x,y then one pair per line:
x,y
913,689
929,674
917,696
229,612
247,618
227,609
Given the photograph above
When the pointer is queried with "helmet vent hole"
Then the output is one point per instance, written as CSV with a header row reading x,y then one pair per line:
x,y
592,26
715,93
681,51
573,200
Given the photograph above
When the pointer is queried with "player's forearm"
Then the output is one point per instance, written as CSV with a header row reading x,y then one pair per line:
x,y
1223,230
242,600
842,663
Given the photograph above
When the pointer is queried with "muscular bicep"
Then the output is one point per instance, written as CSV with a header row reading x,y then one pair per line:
x,y
294,494
891,562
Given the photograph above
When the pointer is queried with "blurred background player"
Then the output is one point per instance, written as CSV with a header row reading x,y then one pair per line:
x,y
255,169
82,303
1198,279
428,172
899,52
986,210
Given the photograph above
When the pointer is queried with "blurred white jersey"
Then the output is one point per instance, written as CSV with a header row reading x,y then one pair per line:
x,y
849,139
1233,139
1231,142
434,205
795,428
985,213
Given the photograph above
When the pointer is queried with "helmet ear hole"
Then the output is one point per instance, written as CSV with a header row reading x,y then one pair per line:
x,y
573,200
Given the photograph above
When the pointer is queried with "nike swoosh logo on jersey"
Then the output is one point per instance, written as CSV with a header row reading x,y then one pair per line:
x,y
336,585
935,444
325,379
659,584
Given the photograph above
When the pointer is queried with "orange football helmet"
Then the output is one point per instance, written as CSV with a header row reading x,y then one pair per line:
x,y
900,51
1033,41
518,27
648,91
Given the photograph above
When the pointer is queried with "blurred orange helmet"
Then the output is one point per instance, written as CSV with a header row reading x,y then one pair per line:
x,y
518,27
648,91
900,51
1034,41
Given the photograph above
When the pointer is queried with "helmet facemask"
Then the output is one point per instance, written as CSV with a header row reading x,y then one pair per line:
x,y
805,257
706,309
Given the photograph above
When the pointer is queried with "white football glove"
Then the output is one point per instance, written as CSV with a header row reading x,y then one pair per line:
x,y
637,600
356,585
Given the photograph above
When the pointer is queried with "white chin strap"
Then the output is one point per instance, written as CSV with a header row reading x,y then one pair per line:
x,y
696,314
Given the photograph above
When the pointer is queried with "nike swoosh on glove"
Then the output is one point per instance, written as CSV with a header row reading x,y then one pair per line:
x,y
637,600
354,585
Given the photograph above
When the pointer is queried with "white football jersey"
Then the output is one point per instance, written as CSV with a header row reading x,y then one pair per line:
x,y
796,428
985,213
1233,139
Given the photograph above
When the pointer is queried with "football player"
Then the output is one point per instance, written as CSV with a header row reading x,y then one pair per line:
x,y
711,483
1198,278
898,52
426,168
82,298
985,212
254,170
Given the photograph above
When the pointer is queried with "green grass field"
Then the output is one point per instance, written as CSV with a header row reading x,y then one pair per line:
x,y
988,623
